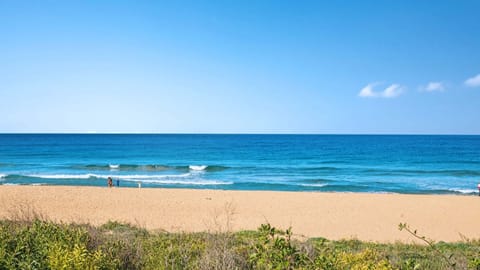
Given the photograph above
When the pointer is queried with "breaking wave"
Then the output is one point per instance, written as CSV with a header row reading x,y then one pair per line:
x,y
463,191
63,176
314,185
148,167
179,182
197,167
123,177
190,179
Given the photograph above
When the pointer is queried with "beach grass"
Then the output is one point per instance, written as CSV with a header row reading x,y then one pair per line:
x,y
42,244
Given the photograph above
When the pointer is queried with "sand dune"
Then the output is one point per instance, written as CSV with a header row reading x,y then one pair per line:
x,y
373,217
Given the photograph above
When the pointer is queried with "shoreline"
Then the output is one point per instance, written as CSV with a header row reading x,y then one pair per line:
x,y
473,192
332,215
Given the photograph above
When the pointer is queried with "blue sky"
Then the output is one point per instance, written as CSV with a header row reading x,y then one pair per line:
x,y
240,66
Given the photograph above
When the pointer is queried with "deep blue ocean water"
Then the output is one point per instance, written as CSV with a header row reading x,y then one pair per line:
x,y
324,163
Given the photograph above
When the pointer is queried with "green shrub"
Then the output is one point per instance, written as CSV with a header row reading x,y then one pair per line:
x,y
78,258
367,259
274,250
46,245
475,263
172,251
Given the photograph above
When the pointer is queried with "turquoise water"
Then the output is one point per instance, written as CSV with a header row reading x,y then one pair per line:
x,y
343,163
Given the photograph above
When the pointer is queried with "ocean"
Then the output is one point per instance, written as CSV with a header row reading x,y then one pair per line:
x,y
413,164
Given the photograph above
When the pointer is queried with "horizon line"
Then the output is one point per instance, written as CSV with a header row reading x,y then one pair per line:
x,y
234,133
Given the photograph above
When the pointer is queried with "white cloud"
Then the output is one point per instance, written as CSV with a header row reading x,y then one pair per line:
x,y
434,87
473,82
367,91
391,91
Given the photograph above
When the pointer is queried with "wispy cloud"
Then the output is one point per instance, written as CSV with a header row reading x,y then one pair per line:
x,y
473,82
367,91
433,87
391,91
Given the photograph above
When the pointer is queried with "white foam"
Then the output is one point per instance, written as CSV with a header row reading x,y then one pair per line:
x,y
11,184
141,176
463,191
313,185
2,175
114,166
179,182
63,176
37,184
197,167
125,177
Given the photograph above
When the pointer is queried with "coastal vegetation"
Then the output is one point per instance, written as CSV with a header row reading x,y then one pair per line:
x,y
42,244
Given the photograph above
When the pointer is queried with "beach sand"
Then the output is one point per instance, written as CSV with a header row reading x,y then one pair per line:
x,y
371,217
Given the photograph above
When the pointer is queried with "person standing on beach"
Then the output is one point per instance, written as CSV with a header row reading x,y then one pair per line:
x,y
110,182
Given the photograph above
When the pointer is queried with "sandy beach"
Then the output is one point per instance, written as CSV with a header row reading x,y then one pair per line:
x,y
371,217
